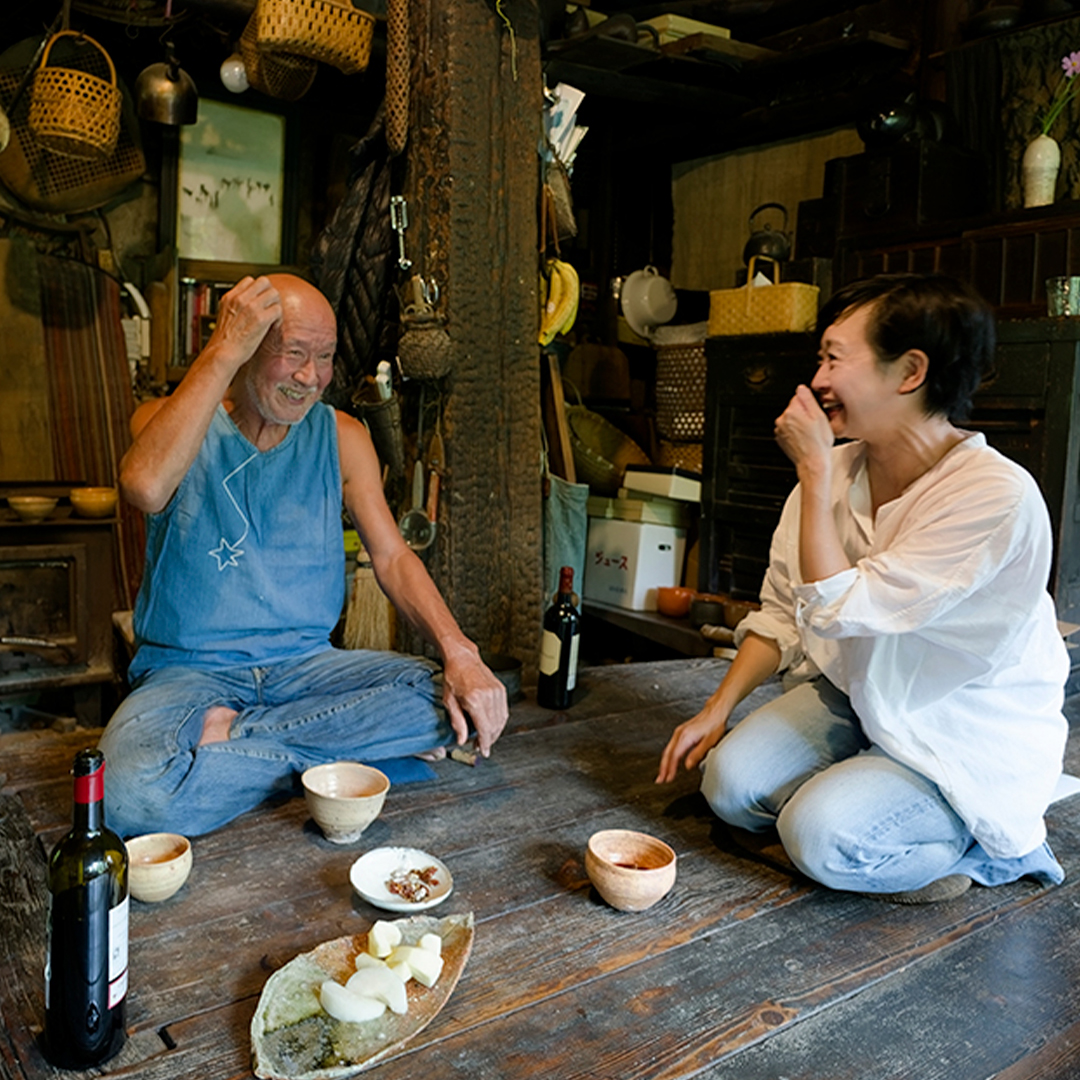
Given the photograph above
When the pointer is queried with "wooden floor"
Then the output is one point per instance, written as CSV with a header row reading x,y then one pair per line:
x,y
744,971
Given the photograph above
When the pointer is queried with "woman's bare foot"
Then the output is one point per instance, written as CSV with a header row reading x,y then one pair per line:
x,y
216,724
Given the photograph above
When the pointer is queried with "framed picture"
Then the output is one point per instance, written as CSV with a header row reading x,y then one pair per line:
x,y
231,193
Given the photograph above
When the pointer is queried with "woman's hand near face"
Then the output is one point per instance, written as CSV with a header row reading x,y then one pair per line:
x,y
803,431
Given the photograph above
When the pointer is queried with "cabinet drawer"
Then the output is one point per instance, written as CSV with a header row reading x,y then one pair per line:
x,y
1020,369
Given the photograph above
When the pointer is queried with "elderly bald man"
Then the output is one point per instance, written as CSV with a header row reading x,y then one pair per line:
x,y
242,472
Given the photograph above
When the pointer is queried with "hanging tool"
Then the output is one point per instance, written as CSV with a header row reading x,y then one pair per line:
x,y
399,221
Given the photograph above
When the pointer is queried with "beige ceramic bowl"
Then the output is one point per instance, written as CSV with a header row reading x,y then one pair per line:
x,y
94,502
32,507
631,870
344,798
158,864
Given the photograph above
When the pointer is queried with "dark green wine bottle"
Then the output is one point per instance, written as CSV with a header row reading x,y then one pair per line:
x,y
559,647
86,960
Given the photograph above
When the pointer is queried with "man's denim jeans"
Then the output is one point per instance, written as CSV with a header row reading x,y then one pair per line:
x,y
337,705
848,815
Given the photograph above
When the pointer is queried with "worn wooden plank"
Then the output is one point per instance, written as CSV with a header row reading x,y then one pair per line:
x,y
742,957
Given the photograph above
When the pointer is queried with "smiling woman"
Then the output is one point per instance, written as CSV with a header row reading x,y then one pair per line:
x,y
906,595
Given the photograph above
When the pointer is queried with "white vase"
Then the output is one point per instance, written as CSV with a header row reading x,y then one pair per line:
x,y
1039,170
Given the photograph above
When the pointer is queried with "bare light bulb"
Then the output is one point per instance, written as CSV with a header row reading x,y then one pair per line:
x,y
234,74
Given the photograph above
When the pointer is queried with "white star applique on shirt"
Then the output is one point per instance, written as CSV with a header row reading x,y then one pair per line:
x,y
233,550
223,559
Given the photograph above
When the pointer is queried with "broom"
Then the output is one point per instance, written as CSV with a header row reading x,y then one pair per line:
x,y
370,618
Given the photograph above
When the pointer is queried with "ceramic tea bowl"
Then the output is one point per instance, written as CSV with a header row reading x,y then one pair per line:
x,y
158,865
344,798
630,870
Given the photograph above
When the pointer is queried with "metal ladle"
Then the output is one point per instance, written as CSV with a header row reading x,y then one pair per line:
x,y
416,527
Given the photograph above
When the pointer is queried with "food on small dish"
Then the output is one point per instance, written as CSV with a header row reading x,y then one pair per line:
x,y
311,1003
414,884
377,875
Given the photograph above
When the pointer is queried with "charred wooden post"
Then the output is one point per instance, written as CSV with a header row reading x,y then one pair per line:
x,y
471,186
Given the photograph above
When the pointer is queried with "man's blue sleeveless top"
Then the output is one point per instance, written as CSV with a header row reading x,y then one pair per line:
x,y
246,565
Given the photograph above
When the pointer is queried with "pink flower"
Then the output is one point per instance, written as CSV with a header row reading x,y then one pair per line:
x,y
1071,64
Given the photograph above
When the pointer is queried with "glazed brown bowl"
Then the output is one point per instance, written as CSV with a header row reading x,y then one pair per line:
x,y
674,601
94,502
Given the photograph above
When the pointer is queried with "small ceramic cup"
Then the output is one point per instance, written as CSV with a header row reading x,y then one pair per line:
x,y
631,870
344,798
158,865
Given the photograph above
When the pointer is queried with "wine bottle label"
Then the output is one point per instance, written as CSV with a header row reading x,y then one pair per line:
x,y
571,675
118,951
549,653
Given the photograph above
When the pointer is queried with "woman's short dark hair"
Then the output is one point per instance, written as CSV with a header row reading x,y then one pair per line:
x,y
940,316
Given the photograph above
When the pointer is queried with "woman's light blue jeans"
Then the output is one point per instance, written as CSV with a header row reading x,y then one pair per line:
x,y
848,815
354,705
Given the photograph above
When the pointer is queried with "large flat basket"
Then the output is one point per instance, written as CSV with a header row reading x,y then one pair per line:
x,y
330,31
787,307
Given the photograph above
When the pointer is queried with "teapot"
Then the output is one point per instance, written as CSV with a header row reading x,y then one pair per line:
x,y
768,242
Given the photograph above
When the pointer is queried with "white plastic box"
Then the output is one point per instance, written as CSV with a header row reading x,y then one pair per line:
x,y
627,561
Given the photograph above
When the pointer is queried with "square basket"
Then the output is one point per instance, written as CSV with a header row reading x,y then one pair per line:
x,y
787,307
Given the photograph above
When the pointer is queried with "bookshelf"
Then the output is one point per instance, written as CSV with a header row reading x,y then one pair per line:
x,y
200,285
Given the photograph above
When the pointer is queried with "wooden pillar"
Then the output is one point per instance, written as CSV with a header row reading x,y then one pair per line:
x,y
472,184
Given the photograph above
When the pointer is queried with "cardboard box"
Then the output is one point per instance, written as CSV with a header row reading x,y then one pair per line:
x,y
627,561
668,482
655,511
673,27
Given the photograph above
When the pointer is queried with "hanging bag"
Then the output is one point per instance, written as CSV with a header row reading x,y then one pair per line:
x,y
75,112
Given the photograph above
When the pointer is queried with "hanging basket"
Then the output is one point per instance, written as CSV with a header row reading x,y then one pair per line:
x,y
330,31
74,112
281,75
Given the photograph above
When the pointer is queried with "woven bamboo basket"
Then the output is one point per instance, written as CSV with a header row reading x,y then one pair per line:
x,y
281,75
330,31
601,451
74,112
680,392
788,307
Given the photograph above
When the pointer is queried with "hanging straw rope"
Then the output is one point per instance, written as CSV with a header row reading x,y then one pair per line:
x,y
397,75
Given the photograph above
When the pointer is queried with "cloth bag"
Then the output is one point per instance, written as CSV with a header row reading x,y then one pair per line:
x,y
566,524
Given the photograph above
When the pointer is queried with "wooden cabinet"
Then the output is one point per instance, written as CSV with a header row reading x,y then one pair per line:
x,y
1027,407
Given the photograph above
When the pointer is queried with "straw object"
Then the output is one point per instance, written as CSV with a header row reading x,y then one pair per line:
x,y
279,75
74,112
601,451
330,31
788,307
370,618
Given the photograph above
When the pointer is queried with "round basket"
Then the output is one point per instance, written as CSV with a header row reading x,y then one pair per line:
x,y
281,75
74,112
601,451
330,31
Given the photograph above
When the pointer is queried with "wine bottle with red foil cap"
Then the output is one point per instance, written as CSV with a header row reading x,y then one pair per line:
x,y
86,960
559,647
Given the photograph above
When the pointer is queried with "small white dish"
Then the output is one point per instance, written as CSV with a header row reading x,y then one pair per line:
x,y
371,872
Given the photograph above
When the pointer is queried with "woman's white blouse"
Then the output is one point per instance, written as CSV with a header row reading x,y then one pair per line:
x,y
942,633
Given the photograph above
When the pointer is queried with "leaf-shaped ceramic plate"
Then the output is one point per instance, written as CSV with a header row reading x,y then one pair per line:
x,y
292,1038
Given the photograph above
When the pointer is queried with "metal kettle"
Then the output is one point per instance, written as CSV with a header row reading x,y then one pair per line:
x,y
766,241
